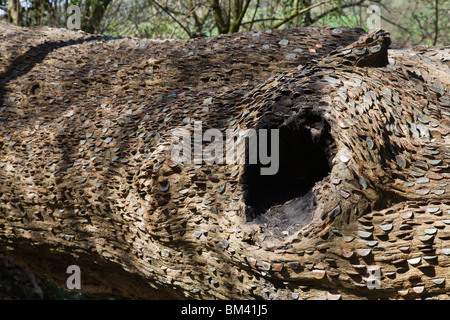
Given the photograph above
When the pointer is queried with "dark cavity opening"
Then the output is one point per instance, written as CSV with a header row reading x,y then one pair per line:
x,y
306,149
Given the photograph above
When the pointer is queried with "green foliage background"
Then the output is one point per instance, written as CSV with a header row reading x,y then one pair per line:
x,y
424,21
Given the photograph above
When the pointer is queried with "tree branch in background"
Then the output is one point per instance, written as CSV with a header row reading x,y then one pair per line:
x,y
298,12
14,12
218,16
238,8
254,15
239,13
173,18
228,16
334,9
113,13
394,24
199,22
260,20
94,11
436,22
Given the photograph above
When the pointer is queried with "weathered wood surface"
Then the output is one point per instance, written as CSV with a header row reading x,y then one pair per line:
x,y
86,178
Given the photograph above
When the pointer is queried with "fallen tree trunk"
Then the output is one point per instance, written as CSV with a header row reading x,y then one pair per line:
x,y
358,207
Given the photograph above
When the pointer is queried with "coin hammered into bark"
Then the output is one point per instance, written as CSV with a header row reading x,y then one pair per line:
x,y
363,177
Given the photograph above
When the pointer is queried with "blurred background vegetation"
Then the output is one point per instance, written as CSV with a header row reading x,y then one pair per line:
x,y
424,22
414,22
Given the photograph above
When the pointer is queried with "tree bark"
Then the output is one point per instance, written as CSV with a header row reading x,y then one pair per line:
x,y
297,11
358,209
94,11
14,12
224,23
221,23
436,22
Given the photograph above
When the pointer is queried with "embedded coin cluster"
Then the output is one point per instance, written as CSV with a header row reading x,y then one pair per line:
x,y
86,126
